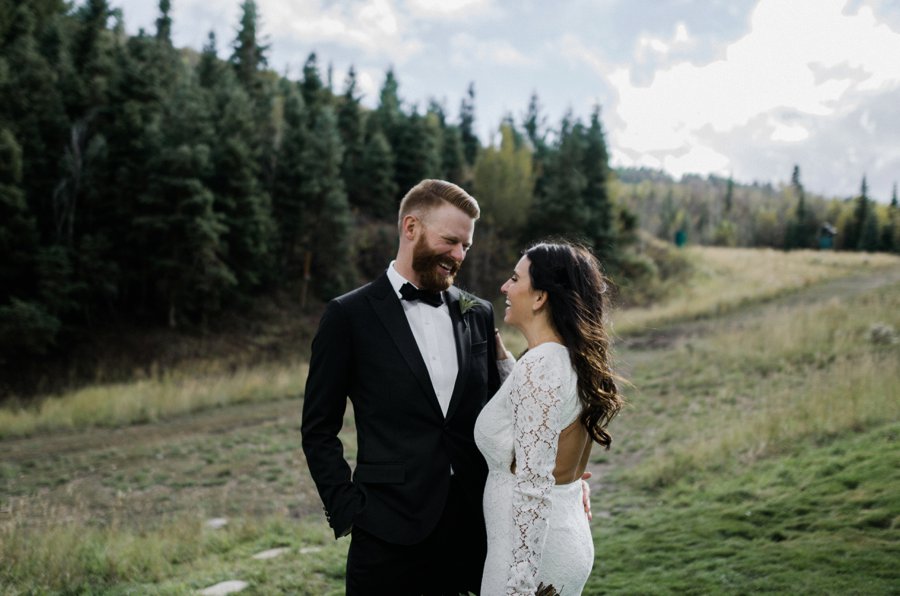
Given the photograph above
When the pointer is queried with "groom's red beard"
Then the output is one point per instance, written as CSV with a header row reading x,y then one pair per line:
x,y
427,264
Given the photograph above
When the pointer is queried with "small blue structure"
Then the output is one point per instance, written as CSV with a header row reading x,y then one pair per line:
x,y
826,236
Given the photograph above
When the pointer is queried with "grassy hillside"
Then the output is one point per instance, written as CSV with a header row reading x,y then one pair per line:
x,y
758,453
821,519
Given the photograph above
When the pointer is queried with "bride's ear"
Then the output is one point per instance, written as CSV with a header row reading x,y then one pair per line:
x,y
540,300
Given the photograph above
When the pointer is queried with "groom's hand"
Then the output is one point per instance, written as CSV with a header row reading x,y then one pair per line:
x,y
502,353
586,495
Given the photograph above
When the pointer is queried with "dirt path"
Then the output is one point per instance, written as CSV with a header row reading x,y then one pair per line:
x,y
207,422
843,287
253,450
646,348
231,418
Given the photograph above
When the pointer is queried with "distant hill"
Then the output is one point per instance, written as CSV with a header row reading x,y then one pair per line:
x,y
713,210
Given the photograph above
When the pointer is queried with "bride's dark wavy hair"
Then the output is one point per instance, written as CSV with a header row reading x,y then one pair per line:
x,y
578,300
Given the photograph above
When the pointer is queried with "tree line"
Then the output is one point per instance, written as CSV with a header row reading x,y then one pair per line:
x,y
142,182
719,211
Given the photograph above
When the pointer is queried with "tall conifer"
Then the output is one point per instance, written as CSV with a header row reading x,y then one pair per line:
x,y
467,125
379,194
328,237
350,125
600,229
290,195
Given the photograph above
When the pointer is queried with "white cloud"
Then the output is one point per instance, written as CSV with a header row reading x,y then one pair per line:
x,y
788,133
680,39
449,9
804,54
698,158
681,33
469,51
369,83
572,48
657,45
375,27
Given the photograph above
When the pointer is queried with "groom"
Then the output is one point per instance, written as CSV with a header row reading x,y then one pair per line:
x,y
418,360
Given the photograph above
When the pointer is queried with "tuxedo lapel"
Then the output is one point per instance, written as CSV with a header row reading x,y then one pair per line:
x,y
389,310
463,336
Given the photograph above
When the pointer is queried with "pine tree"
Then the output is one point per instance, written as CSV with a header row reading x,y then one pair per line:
x,y
857,229
290,201
870,239
32,108
535,125
27,327
249,56
417,153
18,232
389,114
378,189
311,86
328,237
92,56
453,164
164,22
452,157
245,207
891,234
249,62
467,126
177,224
350,125
124,160
729,195
600,226
559,209
801,229
209,69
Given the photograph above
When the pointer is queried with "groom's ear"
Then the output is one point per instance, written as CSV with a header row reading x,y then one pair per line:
x,y
409,225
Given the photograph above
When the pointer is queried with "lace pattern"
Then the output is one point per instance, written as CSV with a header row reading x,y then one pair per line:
x,y
536,402
537,530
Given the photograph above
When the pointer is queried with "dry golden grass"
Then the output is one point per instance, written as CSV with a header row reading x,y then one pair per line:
x,y
152,399
726,278
795,373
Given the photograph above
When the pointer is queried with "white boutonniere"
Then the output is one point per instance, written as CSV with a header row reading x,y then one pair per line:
x,y
466,302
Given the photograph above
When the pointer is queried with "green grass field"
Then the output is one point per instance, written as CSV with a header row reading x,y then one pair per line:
x,y
758,453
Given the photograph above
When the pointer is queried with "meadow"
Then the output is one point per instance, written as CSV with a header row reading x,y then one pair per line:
x,y
758,453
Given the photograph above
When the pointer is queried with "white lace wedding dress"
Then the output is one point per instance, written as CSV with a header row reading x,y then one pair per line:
x,y
537,531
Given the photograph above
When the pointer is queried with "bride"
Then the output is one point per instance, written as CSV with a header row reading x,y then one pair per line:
x,y
536,432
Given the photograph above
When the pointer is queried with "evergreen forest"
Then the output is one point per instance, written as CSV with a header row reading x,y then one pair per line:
x,y
140,182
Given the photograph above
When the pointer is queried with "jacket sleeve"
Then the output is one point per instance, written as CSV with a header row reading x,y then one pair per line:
x,y
324,404
495,373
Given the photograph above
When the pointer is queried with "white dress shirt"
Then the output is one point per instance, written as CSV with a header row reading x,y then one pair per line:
x,y
433,330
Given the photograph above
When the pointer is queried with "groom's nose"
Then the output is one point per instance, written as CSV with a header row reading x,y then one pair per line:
x,y
458,253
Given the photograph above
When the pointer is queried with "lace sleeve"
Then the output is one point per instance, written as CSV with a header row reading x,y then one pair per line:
x,y
505,367
536,401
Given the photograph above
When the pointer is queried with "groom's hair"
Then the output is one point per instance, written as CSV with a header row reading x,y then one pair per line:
x,y
429,194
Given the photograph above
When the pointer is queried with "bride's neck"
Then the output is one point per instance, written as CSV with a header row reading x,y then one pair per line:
x,y
540,332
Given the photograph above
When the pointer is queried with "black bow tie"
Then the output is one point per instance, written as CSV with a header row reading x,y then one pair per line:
x,y
411,292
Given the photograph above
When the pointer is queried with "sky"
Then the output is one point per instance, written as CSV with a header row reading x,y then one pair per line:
x,y
742,88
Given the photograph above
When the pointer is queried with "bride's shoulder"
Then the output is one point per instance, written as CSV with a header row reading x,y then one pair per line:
x,y
546,353
546,362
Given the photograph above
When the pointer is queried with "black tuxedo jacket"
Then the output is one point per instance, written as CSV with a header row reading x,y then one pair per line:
x,y
364,350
